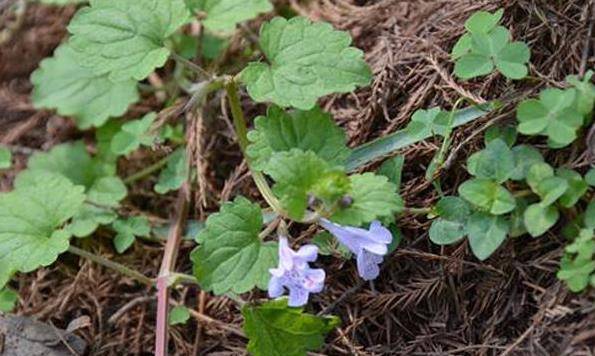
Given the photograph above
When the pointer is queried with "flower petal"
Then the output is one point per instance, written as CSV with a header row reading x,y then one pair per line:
x,y
380,233
285,254
314,280
298,297
367,265
308,253
275,287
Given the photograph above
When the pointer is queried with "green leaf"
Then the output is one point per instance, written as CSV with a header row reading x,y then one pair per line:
x,y
274,329
426,123
373,198
392,169
107,191
125,39
133,134
488,195
223,15
483,21
453,214
391,143
63,84
508,134
178,315
538,172
578,266
8,300
590,215
127,230
231,256
5,158
496,162
298,175
312,130
540,218
473,65
72,161
31,218
175,173
511,60
590,177
486,233
553,115
517,223
577,187
585,92
61,2
88,219
488,46
307,61
550,189
524,157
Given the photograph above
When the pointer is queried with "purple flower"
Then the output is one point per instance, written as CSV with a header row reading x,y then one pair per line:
x,y
294,273
369,246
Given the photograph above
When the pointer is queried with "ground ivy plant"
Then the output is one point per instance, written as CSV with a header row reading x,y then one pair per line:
x,y
297,156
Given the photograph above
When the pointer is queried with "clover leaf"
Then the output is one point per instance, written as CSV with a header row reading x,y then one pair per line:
x,y
31,221
524,157
307,61
496,162
231,256
539,218
5,158
175,173
577,187
577,267
125,39
483,21
486,47
488,195
450,227
133,134
585,92
312,130
590,177
63,84
425,123
486,233
223,15
508,134
373,197
128,229
553,115
274,329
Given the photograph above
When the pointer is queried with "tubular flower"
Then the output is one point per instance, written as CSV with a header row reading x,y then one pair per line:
x,y
294,274
369,246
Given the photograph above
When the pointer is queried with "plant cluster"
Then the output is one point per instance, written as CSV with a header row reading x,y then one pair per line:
x,y
297,156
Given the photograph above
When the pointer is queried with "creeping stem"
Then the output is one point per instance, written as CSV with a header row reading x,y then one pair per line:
x,y
112,265
239,123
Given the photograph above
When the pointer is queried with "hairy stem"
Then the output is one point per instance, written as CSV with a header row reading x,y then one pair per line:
x,y
241,129
417,211
112,265
146,171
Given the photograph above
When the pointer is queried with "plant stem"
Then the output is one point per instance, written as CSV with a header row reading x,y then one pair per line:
x,y
417,211
111,265
191,65
239,123
146,171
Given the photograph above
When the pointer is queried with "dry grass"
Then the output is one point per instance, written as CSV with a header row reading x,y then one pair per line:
x,y
429,300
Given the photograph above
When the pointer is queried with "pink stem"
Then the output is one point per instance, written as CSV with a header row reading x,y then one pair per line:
x,y
162,302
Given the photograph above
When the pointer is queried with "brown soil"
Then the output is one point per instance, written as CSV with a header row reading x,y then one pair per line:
x,y
429,300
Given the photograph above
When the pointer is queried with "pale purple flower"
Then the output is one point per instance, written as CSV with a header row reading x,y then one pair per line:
x,y
294,274
369,246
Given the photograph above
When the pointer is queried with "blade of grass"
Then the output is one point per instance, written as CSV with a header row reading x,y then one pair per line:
x,y
384,146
